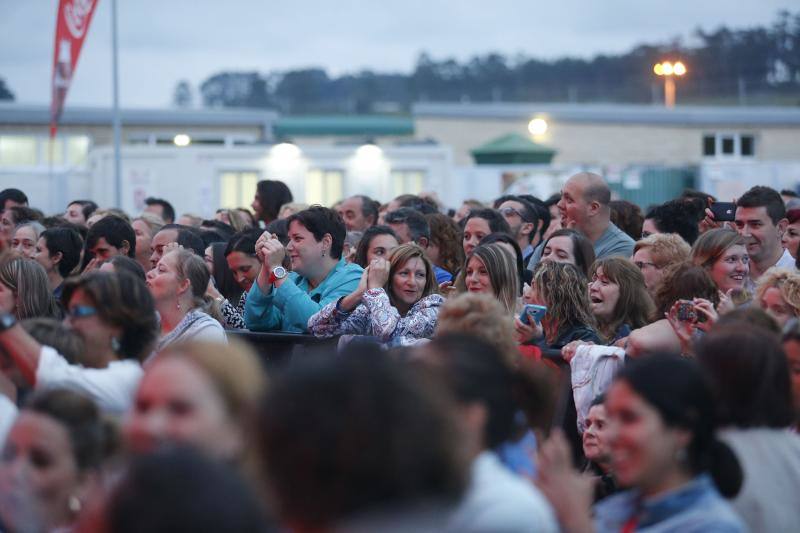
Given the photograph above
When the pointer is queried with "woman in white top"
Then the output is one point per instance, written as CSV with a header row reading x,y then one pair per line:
x,y
178,284
114,315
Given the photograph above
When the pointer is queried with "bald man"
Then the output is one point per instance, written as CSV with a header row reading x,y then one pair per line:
x,y
584,207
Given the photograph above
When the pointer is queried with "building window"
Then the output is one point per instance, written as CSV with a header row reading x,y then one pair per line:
x,y
407,181
747,143
728,145
324,186
18,151
238,188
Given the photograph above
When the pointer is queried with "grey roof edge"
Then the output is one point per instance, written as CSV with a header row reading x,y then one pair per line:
x,y
615,113
14,113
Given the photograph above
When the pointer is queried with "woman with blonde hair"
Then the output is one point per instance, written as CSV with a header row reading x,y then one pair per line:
x,y
655,253
145,226
562,289
24,289
480,315
490,269
618,298
396,301
219,387
778,293
178,284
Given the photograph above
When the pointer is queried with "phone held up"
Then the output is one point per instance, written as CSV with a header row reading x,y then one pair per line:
x,y
532,311
724,211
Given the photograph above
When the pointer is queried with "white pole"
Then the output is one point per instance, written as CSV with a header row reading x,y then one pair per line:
x,y
116,119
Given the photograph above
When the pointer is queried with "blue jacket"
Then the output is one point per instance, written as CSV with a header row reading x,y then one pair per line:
x,y
289,307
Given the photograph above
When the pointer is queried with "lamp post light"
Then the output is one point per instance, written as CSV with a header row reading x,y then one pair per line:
x,y
668,71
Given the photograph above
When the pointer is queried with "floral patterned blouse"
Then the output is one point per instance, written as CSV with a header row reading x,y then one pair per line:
x,y
234,316
377,317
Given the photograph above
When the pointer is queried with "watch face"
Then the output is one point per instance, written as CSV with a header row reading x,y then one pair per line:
x,y
279,272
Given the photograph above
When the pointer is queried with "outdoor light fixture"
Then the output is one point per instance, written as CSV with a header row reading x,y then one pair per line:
x,y
668,70
369,151
285,151
537,126
182,140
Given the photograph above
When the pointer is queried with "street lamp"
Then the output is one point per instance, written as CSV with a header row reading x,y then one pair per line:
x,y
668,71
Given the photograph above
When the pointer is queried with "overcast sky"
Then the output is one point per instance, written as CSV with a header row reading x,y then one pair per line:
x,y
164,41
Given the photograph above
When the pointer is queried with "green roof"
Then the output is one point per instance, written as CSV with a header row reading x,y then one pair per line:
x,y
344,125
512,149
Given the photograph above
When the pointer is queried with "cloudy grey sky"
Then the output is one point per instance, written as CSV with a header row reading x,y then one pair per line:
x,y
162,41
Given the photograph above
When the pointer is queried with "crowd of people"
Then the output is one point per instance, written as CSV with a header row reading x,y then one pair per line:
x,y
563,364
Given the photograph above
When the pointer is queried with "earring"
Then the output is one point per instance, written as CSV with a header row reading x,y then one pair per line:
x,y
115,345
179,305
74,504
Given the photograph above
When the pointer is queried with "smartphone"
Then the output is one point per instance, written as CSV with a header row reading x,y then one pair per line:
x,y
724,211
686,312
534,311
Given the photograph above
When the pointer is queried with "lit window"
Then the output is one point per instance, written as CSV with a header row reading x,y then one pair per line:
x,y
407,182
237,189
53,151
17,150
324,187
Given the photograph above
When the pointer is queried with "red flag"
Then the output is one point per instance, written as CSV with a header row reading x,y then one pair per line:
x,y
72,24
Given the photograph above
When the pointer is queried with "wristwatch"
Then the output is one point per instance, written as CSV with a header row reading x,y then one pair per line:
x,y
7,321
277,273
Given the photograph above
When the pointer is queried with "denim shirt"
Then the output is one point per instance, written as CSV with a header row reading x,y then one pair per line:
x,y
694,507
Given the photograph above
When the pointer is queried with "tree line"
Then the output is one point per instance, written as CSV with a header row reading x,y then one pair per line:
x,y
749,65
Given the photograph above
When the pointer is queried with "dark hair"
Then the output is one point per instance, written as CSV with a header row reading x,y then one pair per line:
x,y
22,214
508,239
446,234
750,315
675,216
122,263
244,242
341,435
417,203
760,196
52,332
272,195
684,281
223,276
210,236
121,300
628,217
115,231
476,372
321,221
677,388
750,375
225,231
90,437
417,224
369,207
168,212
582,249
542,210
179,490
496,221
87,207
187,237
66,241
15,195
366,239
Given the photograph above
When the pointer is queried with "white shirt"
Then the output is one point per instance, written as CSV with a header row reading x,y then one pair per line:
x,y
8,414
786,260
111,388
501,502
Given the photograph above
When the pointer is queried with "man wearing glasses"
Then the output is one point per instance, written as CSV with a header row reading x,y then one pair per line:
x,y
523,220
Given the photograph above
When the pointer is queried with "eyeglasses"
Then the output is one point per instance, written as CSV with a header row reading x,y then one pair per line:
x,y
508,211
81,311
642,264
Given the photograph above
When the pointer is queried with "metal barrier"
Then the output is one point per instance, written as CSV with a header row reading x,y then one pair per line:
x,y
276,348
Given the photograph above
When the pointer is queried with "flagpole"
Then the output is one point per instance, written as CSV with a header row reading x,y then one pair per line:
x,y
115,113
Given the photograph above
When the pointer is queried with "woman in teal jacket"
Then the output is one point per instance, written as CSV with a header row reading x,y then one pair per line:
x,y
284,301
